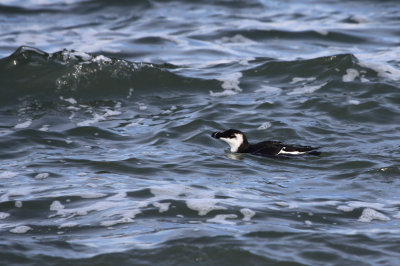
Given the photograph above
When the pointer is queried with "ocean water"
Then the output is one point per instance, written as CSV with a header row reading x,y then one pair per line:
x,y
106,115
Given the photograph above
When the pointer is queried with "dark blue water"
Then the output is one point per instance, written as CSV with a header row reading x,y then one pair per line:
x,y
106,115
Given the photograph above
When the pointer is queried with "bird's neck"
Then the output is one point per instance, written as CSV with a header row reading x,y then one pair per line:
x,y
243,147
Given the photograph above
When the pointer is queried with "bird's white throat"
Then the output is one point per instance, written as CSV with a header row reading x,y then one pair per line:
x,y
234,143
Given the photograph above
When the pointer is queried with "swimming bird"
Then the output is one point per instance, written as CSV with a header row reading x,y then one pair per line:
x,y
238,143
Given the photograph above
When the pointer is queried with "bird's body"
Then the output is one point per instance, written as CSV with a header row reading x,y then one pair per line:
x,y
238,143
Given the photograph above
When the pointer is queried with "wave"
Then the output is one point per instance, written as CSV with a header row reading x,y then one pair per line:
x,y
32,74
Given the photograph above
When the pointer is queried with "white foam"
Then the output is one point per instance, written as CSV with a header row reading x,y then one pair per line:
x,y
247,214
351,75
123,220
69,100
308,222
111,113
18,204
354,102
73,108
162,207
322,32
345,208
42,175
142,107
177,191
136,123
98,206
102,59
68,225
264,126
221,219
269,90
306,89
44,128
4,215
22,229
8,174
76,54
362,204
369,214
230,85
127,218
130,92
96,118
169,111
383,69
56,205
297,80
223,93
203,206
25,124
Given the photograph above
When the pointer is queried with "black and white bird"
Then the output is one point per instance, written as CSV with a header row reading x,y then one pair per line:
x,y
238,143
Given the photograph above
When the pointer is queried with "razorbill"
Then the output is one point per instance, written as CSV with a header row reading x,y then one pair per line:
x,y
238,142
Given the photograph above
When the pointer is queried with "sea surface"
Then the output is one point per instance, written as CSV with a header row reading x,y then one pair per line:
x,y
106,115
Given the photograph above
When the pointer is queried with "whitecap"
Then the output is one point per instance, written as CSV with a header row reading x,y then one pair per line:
x,y
297,80
142,107
4,215
269,90
111,113
44,128
42,175
96,118
264,126
130,92
102,59
247,214
162,207
82,211
56,205
25,124
128,217
354,102
306,89
8,174
69,100
345,208
308,222
123,220
221,219
22,229
369,214
68,225
351,75
383,69
230,85
203,206
223,93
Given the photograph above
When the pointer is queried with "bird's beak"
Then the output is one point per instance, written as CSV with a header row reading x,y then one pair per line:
x,y
216,135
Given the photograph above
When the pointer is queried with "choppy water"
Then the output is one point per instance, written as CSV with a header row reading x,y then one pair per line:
x,y
106,111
